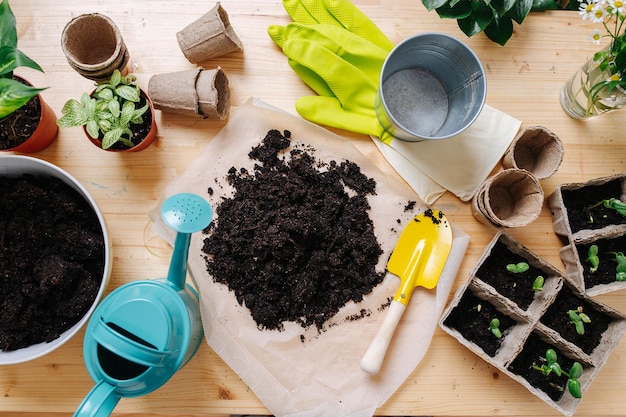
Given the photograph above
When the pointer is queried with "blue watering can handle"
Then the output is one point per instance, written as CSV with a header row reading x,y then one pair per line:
x,y
100,401
126,347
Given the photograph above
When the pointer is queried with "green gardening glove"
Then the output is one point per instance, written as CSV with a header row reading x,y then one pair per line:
x,y
339,65
340,13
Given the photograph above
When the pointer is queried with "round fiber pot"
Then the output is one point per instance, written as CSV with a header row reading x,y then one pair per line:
x,y
537,150
94,47
510,198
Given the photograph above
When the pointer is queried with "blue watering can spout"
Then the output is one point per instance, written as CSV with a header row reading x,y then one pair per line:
x,y
184,213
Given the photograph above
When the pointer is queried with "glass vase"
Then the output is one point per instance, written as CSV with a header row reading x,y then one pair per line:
x,y
579,100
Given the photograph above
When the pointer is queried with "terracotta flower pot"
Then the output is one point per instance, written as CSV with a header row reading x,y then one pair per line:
x,y
46,130
143,144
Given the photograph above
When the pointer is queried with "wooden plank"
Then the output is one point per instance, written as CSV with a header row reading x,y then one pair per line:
x,y
524,80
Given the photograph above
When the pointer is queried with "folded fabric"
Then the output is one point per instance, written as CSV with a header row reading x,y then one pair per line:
x,y
458,164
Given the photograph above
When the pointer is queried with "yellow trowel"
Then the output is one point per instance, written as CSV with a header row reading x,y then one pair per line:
x,y
418,259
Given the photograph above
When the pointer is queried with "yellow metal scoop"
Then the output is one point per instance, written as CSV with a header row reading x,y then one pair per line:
x,y
418,259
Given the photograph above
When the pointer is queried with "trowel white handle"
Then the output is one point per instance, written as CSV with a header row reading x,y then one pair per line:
x,y
373,358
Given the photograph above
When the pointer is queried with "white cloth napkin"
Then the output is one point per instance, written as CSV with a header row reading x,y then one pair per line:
x,y
317,375
458,164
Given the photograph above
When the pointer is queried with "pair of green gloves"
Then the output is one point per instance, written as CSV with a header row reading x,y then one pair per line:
x,y
338,52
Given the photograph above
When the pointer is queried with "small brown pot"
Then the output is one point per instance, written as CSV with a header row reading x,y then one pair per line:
x,y
94,47
510,198
196,92
210,36
46,130
143,144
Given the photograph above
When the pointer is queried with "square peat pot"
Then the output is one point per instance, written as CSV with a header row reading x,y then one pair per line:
x,y
600,278
530,324
579,215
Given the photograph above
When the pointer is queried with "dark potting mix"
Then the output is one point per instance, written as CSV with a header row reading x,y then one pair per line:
x,y
51,259
295,241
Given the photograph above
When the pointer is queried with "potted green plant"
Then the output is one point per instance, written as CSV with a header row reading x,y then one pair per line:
x,y
494,18
27,123
116,116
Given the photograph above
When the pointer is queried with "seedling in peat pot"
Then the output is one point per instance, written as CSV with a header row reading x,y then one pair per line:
x,y
592,258
494,326
518,267
551,365
538,283
578,318
620,270
612,203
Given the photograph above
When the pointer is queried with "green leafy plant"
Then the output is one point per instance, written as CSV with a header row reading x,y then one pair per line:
x,y
110,111
538,283
620,269
593,258
612,203
550,365
494,17
494,326
579,319
13,93
518,267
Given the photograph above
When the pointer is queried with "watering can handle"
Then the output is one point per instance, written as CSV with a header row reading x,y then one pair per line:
x,y
373,358
126,347
100,401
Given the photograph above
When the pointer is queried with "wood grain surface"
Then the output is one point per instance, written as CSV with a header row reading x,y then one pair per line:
x,y
524,80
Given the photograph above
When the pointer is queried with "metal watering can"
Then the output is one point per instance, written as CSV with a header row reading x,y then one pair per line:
x,y
144,331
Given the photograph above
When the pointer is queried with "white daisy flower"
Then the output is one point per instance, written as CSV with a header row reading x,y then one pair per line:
x,y
596,36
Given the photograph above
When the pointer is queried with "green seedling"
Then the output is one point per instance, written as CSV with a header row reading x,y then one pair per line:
x,y
494,326
518,267
579,319
612,203
538,283
551,365
620,270
592,258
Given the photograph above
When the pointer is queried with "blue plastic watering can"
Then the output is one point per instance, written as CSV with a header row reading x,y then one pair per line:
x,y
144,331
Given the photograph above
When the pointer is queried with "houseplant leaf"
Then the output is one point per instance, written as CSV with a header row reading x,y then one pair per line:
x,y
8,33
433,4
111,137
11,58
459,10
520,10
500,29
14,94
502,6
480,16
128,93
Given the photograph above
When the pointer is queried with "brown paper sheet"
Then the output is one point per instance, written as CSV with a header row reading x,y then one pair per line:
x,y
319,376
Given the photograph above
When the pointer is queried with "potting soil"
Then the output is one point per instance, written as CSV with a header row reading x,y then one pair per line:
x,y
295,241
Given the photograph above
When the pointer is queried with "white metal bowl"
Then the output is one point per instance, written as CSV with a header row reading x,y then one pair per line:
x,y
15,165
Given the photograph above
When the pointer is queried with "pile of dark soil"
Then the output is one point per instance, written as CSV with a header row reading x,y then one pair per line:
x,y
472,316
295,241
51,259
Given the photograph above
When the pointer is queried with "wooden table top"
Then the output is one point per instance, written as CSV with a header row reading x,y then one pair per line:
x,y
524,80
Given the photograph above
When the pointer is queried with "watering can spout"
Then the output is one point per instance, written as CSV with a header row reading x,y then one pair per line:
x,y
185,213
100,401
177,273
